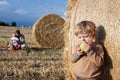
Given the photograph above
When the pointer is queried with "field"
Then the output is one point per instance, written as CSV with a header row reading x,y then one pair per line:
x,y
39,64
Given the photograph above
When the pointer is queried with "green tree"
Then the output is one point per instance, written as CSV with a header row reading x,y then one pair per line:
x,y
2,23
7,24
13,24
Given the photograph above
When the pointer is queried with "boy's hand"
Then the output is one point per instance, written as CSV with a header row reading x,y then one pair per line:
x,y
79,51
85,47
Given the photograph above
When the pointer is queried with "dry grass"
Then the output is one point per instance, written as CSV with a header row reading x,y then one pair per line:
x,y
6,33
40,64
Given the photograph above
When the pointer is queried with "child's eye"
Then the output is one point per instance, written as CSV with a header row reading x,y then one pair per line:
x,y
79,37
86,36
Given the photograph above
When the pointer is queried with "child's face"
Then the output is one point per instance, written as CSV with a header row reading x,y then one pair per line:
x,y
86,38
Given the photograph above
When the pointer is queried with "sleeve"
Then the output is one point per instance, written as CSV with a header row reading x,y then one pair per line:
x,y
22,39
97,57
75,57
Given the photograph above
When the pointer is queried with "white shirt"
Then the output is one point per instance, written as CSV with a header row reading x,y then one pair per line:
x,y
14,38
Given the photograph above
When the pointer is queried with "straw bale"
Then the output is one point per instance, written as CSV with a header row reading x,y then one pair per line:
x,y
47,31
105,14
67,49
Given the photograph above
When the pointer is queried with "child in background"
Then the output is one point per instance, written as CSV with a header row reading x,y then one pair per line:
x,y
88,56
14,41
21,38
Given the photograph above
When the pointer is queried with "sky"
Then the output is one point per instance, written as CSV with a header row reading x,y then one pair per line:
x,y
27,12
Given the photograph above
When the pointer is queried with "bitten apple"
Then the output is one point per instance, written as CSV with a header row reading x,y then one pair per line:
x,y
82,46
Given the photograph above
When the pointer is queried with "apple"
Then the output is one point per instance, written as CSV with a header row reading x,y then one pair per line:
x,y
82,46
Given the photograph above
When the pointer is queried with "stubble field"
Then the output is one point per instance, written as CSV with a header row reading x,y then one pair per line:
x,y
39,64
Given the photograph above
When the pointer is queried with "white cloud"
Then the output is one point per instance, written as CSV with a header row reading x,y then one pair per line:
x,y
4,3
21,11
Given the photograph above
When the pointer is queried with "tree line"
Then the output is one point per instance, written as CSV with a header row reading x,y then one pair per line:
x,y
7,24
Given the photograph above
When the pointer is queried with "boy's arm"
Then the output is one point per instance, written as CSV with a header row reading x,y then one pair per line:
x,y
97,57
75,57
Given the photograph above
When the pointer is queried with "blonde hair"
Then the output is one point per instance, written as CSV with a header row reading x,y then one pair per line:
x,y
85,27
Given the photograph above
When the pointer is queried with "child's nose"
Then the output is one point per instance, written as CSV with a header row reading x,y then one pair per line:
x,y
82,39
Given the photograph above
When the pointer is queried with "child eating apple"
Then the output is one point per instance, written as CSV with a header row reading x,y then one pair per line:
x,y
89,55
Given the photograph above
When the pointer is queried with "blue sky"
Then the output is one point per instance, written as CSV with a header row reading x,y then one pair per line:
x,y
27,12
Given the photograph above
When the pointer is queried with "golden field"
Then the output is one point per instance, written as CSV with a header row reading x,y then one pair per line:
x,y
39,64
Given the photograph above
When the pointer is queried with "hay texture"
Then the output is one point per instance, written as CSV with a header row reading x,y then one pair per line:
x,y
47,31
106,15
67,49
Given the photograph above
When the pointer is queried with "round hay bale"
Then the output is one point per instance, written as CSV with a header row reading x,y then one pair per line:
x,y
105,14
47,31
70,6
